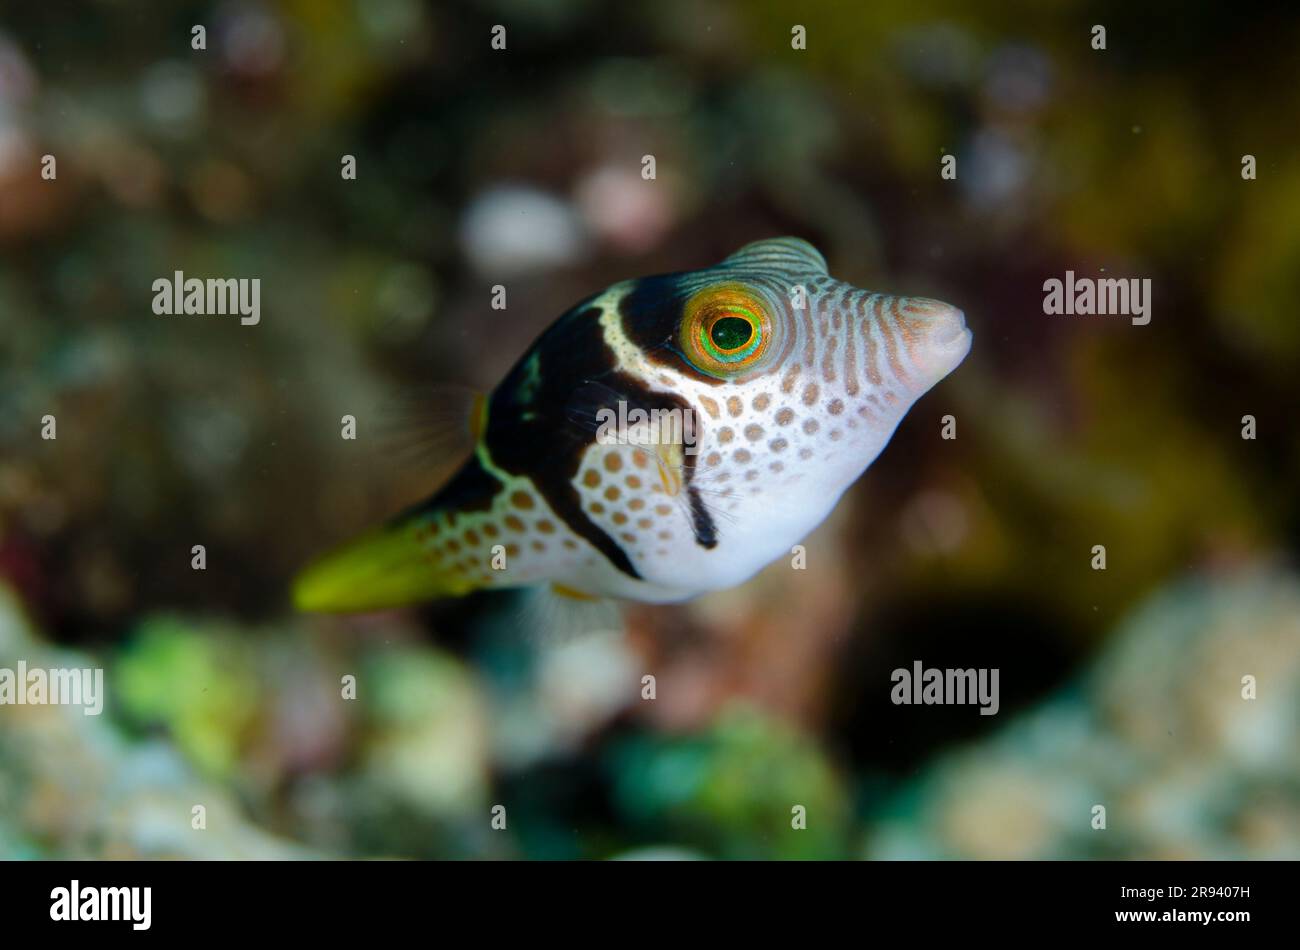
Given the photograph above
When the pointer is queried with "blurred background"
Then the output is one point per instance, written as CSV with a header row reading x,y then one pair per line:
x,y
522,167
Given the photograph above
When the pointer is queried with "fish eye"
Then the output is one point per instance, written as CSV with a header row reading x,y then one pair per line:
x,y
726,330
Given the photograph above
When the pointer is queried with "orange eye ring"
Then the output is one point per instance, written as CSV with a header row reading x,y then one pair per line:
x,y
725,331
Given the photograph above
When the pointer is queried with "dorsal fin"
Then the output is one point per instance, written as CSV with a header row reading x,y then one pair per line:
x,y
790,254
429,426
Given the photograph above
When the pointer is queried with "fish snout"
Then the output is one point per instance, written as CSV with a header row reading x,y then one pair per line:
x,y
940,337
942,323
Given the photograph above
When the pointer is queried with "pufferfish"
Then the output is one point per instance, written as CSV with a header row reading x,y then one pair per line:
x,y
748,397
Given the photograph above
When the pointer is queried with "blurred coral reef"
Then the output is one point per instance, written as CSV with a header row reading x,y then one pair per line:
x,y
1156,730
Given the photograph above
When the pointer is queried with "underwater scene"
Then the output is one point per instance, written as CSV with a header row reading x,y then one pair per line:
x,y
686,430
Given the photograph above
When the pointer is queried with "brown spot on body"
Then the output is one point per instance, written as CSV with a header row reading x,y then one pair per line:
x,y
787,384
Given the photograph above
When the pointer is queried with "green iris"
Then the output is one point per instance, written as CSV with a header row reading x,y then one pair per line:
x,y
732,338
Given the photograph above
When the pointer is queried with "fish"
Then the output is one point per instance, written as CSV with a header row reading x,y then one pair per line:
x,y
668,436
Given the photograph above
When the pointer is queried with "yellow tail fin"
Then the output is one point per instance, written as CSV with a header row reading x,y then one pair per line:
x,y
386,568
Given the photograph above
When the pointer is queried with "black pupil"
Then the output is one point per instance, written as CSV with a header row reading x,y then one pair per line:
x,y
731,333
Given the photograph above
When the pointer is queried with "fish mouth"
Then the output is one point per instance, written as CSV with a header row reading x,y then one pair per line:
x,y
947,336
954,330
